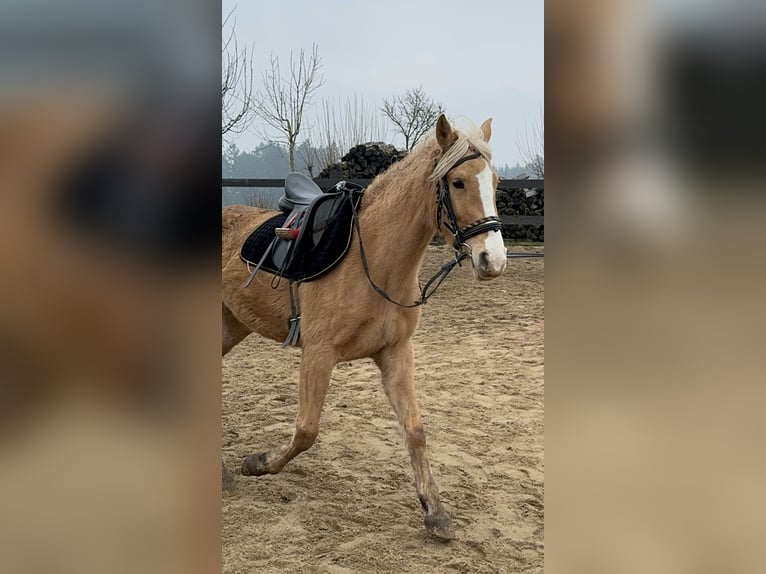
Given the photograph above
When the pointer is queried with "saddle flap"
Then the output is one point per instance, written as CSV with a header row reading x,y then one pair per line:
x,y
323,217
312,222
284,249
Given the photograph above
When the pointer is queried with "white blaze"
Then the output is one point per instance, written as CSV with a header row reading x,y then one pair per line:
x,y
493,244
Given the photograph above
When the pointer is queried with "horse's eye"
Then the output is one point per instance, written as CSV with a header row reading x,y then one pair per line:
x,y
458,183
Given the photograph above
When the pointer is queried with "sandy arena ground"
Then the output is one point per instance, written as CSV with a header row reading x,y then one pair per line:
x,y
348,504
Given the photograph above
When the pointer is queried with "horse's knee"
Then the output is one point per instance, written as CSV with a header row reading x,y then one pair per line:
x,y
304,438
416,437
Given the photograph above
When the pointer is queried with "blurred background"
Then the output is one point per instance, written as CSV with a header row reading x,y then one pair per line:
x,y
109,320
655,274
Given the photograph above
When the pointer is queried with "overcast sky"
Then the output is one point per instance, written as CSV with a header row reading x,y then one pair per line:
x,y
479,58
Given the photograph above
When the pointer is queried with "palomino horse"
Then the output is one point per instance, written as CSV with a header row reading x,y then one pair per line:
x,y
444,185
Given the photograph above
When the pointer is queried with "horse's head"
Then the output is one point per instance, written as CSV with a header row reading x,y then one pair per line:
x,y
466,211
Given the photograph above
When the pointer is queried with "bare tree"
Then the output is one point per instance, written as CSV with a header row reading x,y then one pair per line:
x,y
338,127
413,114
284,99
236,81
532,146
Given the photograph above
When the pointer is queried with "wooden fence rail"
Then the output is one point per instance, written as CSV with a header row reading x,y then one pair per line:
x,y
325,184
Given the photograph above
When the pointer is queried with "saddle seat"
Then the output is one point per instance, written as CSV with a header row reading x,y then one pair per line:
x,y
299,191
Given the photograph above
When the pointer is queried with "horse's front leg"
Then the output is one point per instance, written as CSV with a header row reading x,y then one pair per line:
x,y
316,368
397,367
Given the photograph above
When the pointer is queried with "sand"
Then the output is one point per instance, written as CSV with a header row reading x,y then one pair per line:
x,y
349,503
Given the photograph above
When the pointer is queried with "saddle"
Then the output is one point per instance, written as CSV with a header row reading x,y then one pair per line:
x,y
310,237
307,240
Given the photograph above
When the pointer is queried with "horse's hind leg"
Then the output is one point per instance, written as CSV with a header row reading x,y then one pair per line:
x,y
397,367
232,333
316,368
232,330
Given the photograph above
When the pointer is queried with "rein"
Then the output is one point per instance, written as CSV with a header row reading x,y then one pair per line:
x,y
461,234
425,294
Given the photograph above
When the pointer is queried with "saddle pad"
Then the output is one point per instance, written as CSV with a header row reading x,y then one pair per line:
x,y
310,264
259,240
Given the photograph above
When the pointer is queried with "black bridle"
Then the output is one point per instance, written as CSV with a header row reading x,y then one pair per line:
x,y
444,203
461,235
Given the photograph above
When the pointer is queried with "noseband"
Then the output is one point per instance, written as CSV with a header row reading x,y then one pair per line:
x,y
444,202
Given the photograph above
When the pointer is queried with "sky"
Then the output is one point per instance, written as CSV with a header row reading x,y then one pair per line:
x,y
480,59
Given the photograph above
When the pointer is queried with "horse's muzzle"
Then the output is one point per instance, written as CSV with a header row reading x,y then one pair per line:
x,y
489,265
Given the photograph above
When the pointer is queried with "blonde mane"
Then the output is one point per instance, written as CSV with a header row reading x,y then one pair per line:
x,y
470,137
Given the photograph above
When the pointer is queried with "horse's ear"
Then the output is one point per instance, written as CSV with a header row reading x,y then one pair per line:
x,y
486,129
445,135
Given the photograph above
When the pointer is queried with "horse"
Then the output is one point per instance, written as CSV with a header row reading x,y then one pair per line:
x,y
369,304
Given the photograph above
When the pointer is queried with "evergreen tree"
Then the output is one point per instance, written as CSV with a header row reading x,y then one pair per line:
x,y
229,159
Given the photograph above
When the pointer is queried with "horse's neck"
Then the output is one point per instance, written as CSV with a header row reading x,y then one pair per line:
x,y
397,229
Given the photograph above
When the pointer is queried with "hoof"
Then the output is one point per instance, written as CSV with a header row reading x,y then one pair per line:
x,y
439,526
255,465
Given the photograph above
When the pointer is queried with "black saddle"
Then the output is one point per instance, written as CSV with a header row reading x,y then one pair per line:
x,y
312,238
